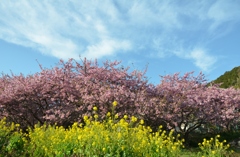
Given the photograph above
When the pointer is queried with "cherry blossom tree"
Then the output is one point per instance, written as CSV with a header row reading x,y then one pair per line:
x,y
186,103
70,90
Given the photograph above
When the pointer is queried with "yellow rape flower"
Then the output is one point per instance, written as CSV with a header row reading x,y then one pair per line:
x,y
95,108
115,103
96,116
108,114
85,118
133,119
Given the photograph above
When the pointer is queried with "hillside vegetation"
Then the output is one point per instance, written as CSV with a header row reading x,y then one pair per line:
x,y
230,78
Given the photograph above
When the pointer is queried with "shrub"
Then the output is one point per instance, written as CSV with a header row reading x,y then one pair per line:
x,y
11,142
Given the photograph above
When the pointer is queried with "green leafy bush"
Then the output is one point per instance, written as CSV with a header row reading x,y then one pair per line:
x,y
11,141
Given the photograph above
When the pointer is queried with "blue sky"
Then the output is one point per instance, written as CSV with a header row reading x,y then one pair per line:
x,y
169,36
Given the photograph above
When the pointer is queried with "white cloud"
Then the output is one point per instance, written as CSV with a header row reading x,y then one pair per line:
x,y
202,60
223,11
106,48
96,29
163,46
57,30
150,13
200,57
33,25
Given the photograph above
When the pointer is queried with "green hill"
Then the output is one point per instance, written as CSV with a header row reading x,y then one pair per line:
x,y
229,78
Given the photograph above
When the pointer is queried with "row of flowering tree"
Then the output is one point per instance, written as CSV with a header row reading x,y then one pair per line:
x,y
187,103
64,94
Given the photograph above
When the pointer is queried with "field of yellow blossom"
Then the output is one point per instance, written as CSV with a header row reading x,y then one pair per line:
x,y
114,137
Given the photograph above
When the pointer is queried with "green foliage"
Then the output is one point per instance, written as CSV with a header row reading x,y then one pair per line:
x,y
15,144
11,142
229,78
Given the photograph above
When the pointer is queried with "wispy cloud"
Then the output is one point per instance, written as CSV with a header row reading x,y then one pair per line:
x,y
97,29
106,48
202,59
223,11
